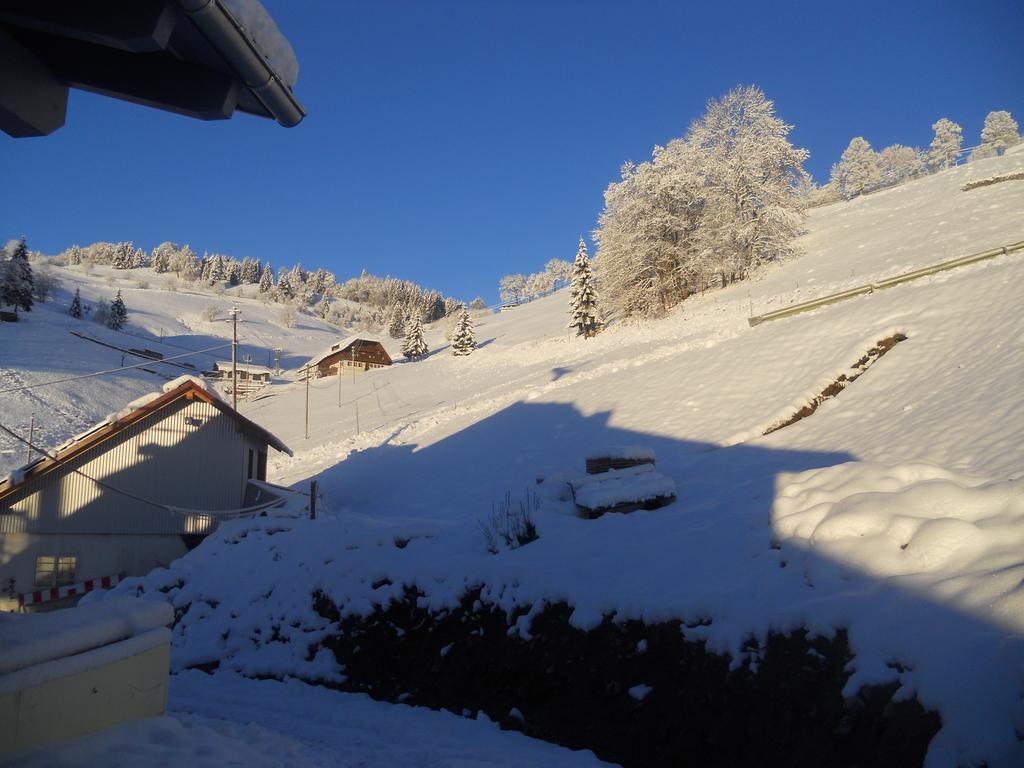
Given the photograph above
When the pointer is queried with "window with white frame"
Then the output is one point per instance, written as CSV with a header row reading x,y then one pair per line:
x,y
55,570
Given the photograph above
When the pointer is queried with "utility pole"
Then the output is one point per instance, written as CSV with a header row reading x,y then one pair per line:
x,y
234,312
277,359
307,401
339,383
312,499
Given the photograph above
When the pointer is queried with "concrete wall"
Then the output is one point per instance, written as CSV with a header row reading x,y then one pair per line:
x,y
127,689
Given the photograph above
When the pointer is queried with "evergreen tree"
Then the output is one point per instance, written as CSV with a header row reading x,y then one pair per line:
x,y
122,256
285,291
945,146
217,271
234,272
464,340
118,314
76,306
396,321
17,283
583,296
414,347
138,259
323,307
267,279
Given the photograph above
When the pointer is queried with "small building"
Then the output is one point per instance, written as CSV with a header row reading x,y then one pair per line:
x,y
357,355
251,378
126,496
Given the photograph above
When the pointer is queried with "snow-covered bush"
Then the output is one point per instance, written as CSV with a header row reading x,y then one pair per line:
x,y
508,526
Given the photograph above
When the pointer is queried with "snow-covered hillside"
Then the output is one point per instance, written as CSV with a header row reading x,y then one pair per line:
x,y
895,510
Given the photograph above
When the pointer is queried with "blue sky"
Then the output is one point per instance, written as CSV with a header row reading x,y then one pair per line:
x,y
453,142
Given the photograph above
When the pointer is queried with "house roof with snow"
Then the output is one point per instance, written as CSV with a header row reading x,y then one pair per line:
x,y
200,58
187,387
225,366
343,348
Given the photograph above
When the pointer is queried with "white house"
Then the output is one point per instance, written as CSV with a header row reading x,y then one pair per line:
x,y
126,496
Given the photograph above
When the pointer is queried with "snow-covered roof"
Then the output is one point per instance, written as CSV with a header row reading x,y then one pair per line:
x,y
135,410
247,367
340,347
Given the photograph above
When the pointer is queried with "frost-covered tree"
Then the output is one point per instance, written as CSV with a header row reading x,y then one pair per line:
x,y
118,314
163,256
75,310
413,346
945,147
464,339
539,284
250,271
17,283
218,272
138,259
323,307
857,171
999,133
559,269
716,203
478,304
897,164
122,255
395,321
267,279
583,296
285,291
512,288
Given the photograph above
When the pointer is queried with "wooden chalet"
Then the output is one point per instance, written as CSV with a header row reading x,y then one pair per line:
x,y
357,355
129,495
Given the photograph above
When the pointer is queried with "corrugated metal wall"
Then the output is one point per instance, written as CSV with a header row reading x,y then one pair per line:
x,y
189,455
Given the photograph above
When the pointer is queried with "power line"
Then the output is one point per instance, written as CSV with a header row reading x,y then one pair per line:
x,y
111,370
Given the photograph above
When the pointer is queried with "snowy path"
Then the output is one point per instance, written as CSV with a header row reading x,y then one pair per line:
x,y
228,720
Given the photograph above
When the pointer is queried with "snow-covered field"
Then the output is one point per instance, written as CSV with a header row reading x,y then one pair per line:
x,y
895,510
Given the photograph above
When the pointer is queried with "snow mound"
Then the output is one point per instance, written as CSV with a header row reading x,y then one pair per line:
x,y
916,530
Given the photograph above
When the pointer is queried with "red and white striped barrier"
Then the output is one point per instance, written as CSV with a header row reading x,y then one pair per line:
x,y
70,590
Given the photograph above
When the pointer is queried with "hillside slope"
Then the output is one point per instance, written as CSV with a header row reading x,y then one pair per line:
x,y
894,511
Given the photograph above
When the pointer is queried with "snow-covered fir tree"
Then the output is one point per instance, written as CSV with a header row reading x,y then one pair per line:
x,y
122,255
583,296
999,133
75,310
17,282
250,271
945,147
218,273
267,279
118,314
138,259
414,346
284,290
395,321
323,307
464,339
857,171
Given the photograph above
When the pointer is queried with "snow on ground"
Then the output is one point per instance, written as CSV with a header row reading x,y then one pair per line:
x,y
228,720
894,510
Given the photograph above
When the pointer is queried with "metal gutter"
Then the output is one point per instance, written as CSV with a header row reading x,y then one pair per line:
x,y
231,41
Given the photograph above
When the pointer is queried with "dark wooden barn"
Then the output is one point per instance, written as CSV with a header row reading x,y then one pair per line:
x,y
353,356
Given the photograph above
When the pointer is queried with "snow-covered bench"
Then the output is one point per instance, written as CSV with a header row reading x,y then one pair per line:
x,y
622,490
68,673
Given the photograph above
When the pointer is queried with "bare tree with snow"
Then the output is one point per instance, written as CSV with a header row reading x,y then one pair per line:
x,y
945,147
857,171
999,133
